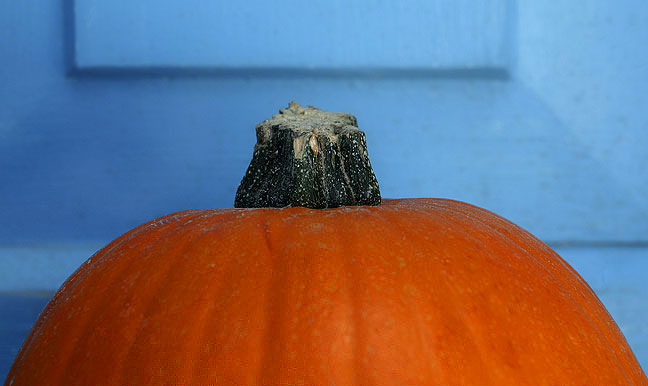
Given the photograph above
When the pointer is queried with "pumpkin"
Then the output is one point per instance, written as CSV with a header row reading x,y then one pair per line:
x,y
405,292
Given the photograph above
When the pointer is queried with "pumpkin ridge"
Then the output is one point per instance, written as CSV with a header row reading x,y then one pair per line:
x,y
148,298
589,310
272,312
345,310
220,286
78,276
350,263
455,299
468,234
198,321
70,283
351,287
226,291
442,378
162,227
169,225
303,306
511,230
510,240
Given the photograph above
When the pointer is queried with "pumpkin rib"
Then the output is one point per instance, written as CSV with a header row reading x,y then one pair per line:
x,y
346,261
513,232
345,310
194,319
96,307
515,242
522,237
70,283
354,246
534,259
352,291
213,289
469,233
100,307
388,225
455,298
354,297
221,236
54,372
478,333
300,306
297,300
371,297
396,218
183,239
509,229
218,287
272,311
118,242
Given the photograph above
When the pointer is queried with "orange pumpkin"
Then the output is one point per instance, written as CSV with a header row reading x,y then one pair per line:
x,y
408,292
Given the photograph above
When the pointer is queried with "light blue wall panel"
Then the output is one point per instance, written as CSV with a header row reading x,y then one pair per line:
x,y
294,34
589,67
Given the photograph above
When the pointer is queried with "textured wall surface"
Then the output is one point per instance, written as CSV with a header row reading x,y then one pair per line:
x,y
113,113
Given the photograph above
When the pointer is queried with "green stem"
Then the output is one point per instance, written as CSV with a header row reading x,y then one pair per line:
x,y
308,157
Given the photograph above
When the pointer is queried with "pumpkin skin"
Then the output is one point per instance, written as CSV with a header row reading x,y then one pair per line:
x,y
410,292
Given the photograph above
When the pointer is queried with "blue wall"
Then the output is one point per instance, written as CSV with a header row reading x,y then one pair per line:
x,y
113,113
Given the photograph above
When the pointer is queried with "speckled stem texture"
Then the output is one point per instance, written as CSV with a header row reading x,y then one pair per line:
x,y
308,157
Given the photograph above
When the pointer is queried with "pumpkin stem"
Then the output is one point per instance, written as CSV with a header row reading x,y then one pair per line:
x,y
308,157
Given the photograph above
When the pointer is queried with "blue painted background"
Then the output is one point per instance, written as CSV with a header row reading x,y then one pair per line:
x,y
113,113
